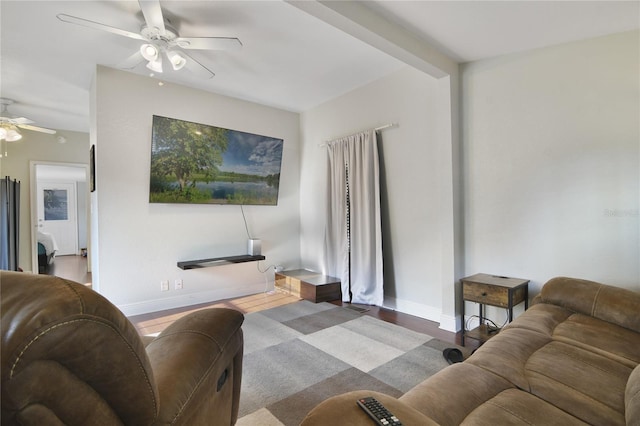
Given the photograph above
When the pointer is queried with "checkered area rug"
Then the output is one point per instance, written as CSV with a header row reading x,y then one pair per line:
x,y
298,355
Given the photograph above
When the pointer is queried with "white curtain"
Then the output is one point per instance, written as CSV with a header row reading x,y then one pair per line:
x,y
353,233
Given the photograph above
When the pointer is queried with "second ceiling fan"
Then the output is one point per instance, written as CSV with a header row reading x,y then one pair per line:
x,y
161,39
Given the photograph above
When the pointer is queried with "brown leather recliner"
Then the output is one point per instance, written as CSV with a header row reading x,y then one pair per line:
x,y
70,357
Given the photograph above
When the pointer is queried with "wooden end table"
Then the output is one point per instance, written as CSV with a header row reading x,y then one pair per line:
x,y
492,290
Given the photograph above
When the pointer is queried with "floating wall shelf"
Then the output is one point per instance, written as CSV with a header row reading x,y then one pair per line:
x,y
218,261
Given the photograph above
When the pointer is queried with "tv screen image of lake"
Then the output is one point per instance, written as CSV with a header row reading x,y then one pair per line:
x,y
235,190
198,163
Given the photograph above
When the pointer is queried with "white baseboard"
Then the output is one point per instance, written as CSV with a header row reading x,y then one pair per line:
x,y
450,323
412,308
447,322
188,299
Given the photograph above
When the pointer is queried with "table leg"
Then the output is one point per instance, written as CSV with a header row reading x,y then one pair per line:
x,y
462,313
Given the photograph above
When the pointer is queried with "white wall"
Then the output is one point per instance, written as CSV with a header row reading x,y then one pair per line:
x,y
81,194
551,158
550,171
138,243
412,166
35,146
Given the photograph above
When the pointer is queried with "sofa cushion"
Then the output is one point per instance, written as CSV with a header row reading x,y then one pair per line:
x,y
516,407
543,318
506,354
585,384
451,394
604,338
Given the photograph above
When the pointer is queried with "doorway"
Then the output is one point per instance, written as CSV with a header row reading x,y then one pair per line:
x,y
57,214
59,197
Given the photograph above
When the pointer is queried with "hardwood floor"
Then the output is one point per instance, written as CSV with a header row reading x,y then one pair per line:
x,y
157,321
75,268
411,322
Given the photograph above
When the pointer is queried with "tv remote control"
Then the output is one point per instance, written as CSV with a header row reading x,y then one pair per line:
x,y
378,412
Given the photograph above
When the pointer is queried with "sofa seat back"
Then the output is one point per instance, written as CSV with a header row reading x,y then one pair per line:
x,y
69,357
611,304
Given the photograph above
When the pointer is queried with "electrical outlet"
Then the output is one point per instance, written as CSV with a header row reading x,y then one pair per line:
x,y
164,285
178,284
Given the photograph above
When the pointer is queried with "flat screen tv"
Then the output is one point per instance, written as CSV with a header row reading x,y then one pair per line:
x,y
201,164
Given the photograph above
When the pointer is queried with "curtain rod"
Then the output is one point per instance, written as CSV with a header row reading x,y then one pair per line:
x,y
377,129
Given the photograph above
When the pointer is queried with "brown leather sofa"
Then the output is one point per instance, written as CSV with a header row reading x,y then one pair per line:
x,y
70,357
571,359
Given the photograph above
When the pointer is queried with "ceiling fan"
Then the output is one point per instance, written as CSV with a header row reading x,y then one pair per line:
x,y
10,123
161,38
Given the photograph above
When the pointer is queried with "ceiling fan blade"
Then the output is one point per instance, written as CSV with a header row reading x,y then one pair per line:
x,y
132,61
209,43
37,129
197,68
95,25
152,14
21,120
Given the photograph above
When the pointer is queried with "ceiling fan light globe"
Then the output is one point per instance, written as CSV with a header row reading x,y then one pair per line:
x,y
3,133
149,52
155,66
177,60
13,135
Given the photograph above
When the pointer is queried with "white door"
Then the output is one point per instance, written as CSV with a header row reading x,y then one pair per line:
x,y
57,214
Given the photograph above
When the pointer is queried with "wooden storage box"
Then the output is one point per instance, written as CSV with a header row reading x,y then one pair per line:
x,y
309,285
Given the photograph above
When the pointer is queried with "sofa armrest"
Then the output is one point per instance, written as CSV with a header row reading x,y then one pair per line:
x,y
343,410
197,366
608,303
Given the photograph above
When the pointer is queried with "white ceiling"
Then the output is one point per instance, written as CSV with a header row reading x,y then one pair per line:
x,y
472,30
290,59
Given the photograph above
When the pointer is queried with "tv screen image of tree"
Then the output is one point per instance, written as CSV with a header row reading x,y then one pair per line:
x,y
202,164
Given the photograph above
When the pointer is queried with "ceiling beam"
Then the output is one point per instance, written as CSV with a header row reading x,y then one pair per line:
x,y
356,19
